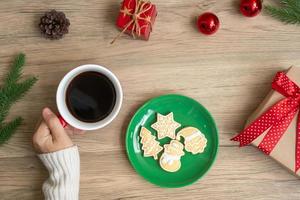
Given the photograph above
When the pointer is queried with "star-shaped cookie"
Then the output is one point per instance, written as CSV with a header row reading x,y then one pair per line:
x,y
165,126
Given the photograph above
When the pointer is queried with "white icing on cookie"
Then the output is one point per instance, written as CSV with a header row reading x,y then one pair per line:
x,y
169,159
193,135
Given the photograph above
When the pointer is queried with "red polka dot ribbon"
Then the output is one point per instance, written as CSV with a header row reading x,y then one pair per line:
x,y
276,119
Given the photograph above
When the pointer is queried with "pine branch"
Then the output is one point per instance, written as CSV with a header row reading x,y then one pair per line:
x,y
289,13
10,93
16,70
8,129
283,15
293,4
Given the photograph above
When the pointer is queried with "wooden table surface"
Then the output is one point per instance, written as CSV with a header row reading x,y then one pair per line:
x,y
229,73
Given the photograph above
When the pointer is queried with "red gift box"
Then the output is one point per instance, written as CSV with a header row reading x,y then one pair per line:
x,y
136,18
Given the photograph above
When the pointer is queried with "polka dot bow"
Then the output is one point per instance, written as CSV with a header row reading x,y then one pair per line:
x,y
276,119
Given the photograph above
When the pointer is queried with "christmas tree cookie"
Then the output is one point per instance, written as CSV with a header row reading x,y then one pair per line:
x,y
150,146
194,141
170,159
165,126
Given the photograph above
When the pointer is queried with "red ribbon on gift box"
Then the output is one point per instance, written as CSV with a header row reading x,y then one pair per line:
x,y
277,119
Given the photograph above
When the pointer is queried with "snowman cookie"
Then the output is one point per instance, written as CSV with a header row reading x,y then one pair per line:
x,y
194,141
170,159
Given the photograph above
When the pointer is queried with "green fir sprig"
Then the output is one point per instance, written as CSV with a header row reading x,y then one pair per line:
x,y
289,12
13,90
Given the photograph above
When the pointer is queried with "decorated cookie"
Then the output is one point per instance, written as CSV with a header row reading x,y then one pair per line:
x,y
194,140
165,126
170,159
150,146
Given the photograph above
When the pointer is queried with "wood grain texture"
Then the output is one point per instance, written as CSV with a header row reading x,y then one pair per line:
x,y
229,73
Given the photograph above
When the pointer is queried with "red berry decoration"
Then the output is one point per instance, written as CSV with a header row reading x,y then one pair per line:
x,y
208,23
250,8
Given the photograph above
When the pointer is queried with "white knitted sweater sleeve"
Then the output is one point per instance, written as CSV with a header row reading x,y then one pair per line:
x,y
64,173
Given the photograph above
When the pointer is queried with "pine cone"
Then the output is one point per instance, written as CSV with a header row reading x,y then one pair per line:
x,y
54,25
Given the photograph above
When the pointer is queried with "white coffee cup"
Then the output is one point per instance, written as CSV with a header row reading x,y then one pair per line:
x,y
61,97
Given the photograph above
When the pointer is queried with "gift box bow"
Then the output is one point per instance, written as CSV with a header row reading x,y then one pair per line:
x,y
277,119
136,14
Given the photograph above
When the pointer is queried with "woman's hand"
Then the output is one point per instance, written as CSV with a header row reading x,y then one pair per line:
x,y
50,136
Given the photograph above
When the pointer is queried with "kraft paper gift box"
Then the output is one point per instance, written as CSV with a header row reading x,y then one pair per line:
x,y
284,151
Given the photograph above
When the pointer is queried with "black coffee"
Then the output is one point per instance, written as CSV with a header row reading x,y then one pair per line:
x,y
90,97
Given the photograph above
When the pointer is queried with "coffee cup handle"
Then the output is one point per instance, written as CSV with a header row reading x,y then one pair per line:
x,y
62,121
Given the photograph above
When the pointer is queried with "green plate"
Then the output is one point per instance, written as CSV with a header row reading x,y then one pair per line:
x,y
187,112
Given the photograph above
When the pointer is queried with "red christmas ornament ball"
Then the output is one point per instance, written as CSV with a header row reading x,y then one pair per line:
x,y
250,8
208,23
